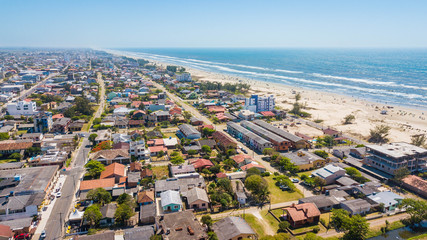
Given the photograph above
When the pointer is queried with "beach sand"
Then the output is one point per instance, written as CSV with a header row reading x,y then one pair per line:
x,y
332,108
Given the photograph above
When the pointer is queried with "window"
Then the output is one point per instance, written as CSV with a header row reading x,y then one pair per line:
x,y
176,207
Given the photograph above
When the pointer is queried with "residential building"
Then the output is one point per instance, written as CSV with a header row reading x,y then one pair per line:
x,y
416,184
259,104
138,150
233,228
296,142
279,143
147,215
254,141
201,163
12,88
108,235
197,199
14,146
322,202
181,169
242,159
170,201
390,200
300,214
114,170
109,156
61,125
356,206
183,77
390,157
26,108
253,165
178,184
246,115
145,197
43,122
329,173
305,160
223,140
107,211
103,135
181,225
189,132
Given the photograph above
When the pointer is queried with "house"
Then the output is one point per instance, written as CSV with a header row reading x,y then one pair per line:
x,y
246,115
415,184
108,211
114,170
236,175
103,135
136,134
216,109
157,150
300,214
14,146
322,202
135,123
145,197
200,164
253,165
181,225
331,132
43,122
178,184
170,143
155,142
233,228
133,179
181,169
197,199
305,160
241,159
346,181
61,125
139,233
329,173
32,136
137,149
390,200
146,173
135,167
223,140
147,214
189,132
5,233
239,191
111,155
195,121
359,152
171,201
26,108
106,183
356,206
76,126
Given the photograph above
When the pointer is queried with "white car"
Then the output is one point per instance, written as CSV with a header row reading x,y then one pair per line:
x,y
58,194
43,234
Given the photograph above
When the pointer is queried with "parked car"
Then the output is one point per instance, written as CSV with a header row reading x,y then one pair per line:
x,y
43,234
22,236
244,150
58,195
294,180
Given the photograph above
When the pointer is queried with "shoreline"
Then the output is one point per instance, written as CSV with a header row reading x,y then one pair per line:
x,y
327,106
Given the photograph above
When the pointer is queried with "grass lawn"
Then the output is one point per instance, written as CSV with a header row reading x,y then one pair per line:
x,y
308,173
270,220
277,195
7,160
376,231
21,132
277,212
325,217
160,171
255,224
169,134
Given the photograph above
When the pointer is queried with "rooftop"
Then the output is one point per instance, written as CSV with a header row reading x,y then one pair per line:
x,y
398,149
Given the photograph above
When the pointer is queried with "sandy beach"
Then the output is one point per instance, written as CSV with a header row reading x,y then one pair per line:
x,y
331,108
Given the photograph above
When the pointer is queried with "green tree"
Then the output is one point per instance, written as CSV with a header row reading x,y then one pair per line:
x,y
206,149
207,220
212,236
319,182
418,140
92,215
92,137
127,199
357,228
349,119
379,134
207,132
283,226
99,195
267,151
94,168
123,213
192,152
15,156
400,174
352,172
312,236
417,210
4,136
253,171
321,153
339,219
177,160
258,187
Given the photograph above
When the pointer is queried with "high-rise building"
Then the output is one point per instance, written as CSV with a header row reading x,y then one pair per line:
x,y
43,122
260,104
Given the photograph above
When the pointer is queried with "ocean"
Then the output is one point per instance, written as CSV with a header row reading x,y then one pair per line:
x,y
390,76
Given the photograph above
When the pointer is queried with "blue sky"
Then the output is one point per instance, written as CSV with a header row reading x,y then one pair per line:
x,y
218,23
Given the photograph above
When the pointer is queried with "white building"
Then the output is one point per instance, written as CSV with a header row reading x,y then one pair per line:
x,y
259,104
22,108
183,77
138,150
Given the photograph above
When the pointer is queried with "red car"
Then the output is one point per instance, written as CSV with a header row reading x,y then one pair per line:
x,y
22,236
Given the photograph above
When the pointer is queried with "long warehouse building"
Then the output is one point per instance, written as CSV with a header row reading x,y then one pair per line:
x,y
255,142
279,143
296,142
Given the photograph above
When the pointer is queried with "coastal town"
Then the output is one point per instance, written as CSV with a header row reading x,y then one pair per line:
x,y
95,145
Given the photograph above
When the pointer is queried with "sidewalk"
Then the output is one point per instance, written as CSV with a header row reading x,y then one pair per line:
x,y
45,214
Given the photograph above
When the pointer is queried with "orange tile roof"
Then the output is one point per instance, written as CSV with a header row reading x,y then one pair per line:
x,y
113,169
97,183
302,211
158,149
146,173
15,145
251,165
240,158
145,196
202,163
267,114
416,182
60,115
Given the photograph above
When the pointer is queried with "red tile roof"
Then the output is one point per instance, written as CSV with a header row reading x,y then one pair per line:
x,y
251,165
145,196
158,149
201,163
115,169
97,183
58,116
5,231
135,166
146,173
416,182
302,211
241,158
267,114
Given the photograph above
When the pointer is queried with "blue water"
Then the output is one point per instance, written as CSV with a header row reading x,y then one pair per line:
x,y
392,76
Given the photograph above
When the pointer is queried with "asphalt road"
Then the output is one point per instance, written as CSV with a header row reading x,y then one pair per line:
x,y
55,225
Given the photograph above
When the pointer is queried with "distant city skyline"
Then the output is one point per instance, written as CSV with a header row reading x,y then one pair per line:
x,y
217,24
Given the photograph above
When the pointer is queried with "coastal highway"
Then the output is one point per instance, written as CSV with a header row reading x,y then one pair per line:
x,y
55,226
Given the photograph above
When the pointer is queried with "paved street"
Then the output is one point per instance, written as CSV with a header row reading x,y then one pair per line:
x,y
55,225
